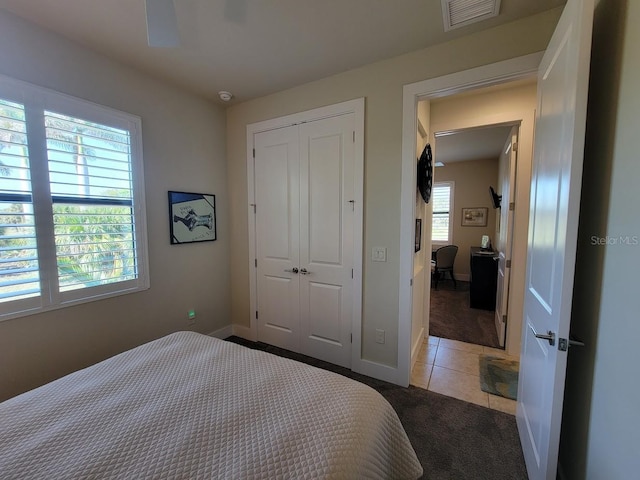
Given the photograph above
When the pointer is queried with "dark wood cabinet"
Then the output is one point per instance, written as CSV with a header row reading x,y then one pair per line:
x,y
484,279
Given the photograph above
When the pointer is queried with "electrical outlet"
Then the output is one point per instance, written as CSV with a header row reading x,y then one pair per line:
x,y
379,336
191,316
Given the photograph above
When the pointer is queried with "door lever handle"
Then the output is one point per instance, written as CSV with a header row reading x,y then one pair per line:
x,y
291,270
303,271
550,336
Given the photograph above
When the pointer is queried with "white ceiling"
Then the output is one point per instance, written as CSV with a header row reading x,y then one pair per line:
x,y
275,44
474,144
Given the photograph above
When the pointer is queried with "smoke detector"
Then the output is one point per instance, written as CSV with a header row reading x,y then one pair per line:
x,y
459,13
225,96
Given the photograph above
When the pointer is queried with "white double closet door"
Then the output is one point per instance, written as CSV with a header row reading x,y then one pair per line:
x,y
304,185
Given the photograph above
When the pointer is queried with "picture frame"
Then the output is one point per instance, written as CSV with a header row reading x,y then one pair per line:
x,y
475,217
192,217
418,239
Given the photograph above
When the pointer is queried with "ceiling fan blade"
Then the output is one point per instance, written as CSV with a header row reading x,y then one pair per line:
x,y
162,24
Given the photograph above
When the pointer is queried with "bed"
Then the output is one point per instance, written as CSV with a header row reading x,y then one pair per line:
x,y
190,406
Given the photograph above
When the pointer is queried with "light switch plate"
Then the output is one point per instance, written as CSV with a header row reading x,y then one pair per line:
x,y
379,254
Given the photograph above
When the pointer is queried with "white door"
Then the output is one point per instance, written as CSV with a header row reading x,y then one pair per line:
x,y
277,172
326,238
505,240
304,193
553,225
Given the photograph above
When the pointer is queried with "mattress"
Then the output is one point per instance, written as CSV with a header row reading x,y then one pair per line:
x,y
189,406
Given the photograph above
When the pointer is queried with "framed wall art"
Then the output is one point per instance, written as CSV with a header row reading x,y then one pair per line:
x,y
192,217
475,217
418,239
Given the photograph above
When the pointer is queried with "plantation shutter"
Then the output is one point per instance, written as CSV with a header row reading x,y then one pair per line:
x,y
92,197
72,214
19,273
441,195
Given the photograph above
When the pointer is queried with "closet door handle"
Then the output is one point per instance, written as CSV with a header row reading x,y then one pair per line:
x,y
292,270
303,271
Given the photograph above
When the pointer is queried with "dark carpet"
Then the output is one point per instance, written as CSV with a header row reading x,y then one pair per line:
x,y
451,317
453,439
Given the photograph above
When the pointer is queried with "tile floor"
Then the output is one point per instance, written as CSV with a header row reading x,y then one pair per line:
x,y
451,368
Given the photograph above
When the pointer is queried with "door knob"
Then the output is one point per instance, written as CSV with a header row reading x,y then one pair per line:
x,y
303,271
550,336
292,270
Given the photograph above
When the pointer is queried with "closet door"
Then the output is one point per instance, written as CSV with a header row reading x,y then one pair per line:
x,y
326,238
277,179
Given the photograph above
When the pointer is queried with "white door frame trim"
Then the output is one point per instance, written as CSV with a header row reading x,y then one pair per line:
x,y
484,76
357,108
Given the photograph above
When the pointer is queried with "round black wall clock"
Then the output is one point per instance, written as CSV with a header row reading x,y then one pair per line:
x,y
425,173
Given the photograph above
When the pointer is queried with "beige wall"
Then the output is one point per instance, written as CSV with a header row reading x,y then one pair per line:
x,y
471,186
600,434
184,149
381,84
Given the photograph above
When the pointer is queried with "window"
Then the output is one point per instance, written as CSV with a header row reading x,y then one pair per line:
x,y
442,195
72,217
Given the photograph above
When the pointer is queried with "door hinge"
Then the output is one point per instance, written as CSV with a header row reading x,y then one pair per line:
x,y
508,264
354,136
256,314
512,205
504,319
255,262
352,273
353,205
255,208
254,153
351,336
515,146
411,282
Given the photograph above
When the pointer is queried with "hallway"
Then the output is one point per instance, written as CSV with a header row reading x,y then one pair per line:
x,y
451,368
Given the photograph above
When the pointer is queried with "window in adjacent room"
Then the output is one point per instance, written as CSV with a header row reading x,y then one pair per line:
x,y
72,217
442,194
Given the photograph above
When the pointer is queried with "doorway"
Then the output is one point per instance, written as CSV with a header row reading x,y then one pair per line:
x,y
469,164
470,160
563,72
463,84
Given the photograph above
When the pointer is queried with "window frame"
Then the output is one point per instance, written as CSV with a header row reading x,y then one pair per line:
x,y
36,100
449,240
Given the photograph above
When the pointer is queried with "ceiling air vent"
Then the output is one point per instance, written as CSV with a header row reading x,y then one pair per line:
x,y
458,13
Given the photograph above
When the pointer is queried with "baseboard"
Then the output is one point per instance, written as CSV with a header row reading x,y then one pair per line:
x,y
365,367
223,332
244,332
377,370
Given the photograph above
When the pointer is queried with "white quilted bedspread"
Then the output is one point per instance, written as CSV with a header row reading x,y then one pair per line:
x,y
188,406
